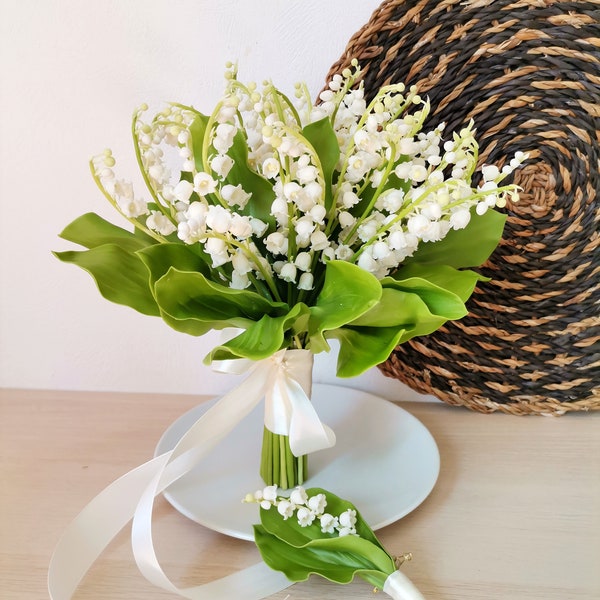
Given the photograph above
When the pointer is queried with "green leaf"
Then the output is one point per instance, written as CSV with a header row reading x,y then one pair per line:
x,y
197,130
161,257
460,283
120,275
91,230
364,347
468,247
261,339
262,192
195,304
347,293
322,138
439,300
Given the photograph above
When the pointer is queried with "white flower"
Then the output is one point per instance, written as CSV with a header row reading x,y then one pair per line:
x,y
344,252
259,228
269,493
204,184
160,223
235,195
241,263
286,509
218,219
306,281
431,210
276,243
303,261
329,523
380,250
279,209
299,496
240,227
318,213
307,174
239,281
288,272
270,168
349,199
418,224
367,262
317,504
304,227
305,516
221,164
346,219
224,134
490,172
344,531
183,190
319,241
460,218
481,208
417,173
348,518
392,200
217,249
133,207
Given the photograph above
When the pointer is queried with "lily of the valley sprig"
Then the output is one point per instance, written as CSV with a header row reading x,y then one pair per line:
x,y
297,222
313,531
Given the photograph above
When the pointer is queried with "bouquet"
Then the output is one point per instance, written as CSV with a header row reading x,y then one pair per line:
x,y
297,223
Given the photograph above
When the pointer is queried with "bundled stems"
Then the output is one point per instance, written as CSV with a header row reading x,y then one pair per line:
x,y
278,466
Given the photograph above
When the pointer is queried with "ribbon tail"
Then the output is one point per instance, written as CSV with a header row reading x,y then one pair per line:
x,y
307,432
132,496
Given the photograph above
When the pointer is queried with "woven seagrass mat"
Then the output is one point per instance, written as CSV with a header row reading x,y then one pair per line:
x,y
528,73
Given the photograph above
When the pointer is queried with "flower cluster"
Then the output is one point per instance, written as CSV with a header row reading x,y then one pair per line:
x,y
272,189
308,510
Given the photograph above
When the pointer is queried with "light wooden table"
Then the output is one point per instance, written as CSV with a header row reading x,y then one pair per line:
x,y
515,513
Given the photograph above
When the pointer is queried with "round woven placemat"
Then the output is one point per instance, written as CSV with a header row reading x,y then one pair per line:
x,y
528,73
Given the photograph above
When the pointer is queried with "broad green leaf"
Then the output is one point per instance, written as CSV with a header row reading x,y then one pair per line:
x,y
322,138
120,275
261,339
364,347
461,283
91,230
262,192
439,300
161,257
347,293
468,247
195,304
338,560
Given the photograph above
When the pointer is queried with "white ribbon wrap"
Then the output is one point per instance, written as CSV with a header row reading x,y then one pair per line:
x,y
400,587
132,496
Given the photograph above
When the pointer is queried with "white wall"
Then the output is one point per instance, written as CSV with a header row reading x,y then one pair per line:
x,y
71,73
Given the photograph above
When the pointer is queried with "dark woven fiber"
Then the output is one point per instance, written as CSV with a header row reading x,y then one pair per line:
x,y
528,73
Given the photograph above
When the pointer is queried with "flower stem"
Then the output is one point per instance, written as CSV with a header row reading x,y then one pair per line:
x,y
278,465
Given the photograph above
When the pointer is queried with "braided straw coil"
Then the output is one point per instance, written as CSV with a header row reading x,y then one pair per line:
x,y
528,73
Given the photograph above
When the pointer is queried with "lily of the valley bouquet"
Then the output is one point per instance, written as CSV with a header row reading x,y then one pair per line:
x,y
293,224
296,224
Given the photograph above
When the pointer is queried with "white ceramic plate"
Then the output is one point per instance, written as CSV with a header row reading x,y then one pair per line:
x,y
385,462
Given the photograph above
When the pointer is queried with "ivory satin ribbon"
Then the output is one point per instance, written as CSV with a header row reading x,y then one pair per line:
x,y
132,495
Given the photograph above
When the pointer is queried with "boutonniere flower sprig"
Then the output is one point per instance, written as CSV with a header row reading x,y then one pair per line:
x,y
314,532
297,223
